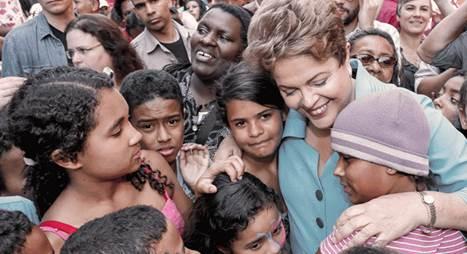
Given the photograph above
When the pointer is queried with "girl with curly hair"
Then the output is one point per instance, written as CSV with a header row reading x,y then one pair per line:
x,y
84,157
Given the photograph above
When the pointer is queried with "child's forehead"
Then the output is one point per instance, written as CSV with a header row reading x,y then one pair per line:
x,y
164,104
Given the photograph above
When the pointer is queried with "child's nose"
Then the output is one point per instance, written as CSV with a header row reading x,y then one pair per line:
x,y
339,171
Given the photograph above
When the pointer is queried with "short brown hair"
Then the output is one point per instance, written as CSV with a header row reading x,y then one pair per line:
x,y
286,28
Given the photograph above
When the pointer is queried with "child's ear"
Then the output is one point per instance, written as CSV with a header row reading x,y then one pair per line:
x,y
391,171
64,160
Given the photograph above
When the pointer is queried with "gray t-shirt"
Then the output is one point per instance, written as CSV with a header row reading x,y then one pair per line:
x,y
454,55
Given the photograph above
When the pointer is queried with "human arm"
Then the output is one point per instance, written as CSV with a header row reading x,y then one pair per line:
x,y
8,87
156,161
443,34
401,212
430,85
445,7
369,10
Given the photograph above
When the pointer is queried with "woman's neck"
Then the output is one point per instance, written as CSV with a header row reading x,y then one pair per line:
x,y
96,191
203,91
265,169
320,140
410,41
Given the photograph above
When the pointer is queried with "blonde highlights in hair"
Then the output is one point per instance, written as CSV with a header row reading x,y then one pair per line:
x,y
287,28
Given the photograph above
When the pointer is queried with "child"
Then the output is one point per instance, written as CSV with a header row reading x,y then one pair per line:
x,y
462,108
241,217
20,236
383,142
137,230
302,44
258,130
156,110
449,98
83,152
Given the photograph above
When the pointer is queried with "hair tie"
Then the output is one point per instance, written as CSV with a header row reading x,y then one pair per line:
x,y
29,162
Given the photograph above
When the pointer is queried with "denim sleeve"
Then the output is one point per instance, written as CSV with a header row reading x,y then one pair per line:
x,y
447,152
11,64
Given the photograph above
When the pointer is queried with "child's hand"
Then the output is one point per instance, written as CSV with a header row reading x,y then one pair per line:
x,y
227,148
194,161
232,166
8,87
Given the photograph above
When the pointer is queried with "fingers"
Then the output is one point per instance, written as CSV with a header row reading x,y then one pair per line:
x,y
233,166
205,186
363,235
193,146
10,82
350,220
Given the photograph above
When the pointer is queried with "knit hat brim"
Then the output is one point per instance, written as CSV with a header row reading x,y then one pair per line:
x,y
365,149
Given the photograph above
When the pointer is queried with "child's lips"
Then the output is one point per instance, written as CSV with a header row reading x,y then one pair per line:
x,y
166,151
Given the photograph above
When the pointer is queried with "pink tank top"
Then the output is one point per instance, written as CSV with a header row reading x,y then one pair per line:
x,y
63,230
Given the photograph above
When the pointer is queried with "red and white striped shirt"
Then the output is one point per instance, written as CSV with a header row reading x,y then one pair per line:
x,y
438,241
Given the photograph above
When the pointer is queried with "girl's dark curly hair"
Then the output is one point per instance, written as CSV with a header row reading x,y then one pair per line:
x,y
124,57
54,110
49,114
218,218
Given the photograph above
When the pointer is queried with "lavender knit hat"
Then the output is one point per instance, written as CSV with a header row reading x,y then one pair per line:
x,y
389,129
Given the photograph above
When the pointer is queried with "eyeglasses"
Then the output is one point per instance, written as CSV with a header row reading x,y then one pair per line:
x,y
80,50
383,61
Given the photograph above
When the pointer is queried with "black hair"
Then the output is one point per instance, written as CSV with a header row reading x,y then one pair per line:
x,y
144,85
54,110
241,14
368,250
463,94
49,114
202,7
131,230
244,82
118,10
378,32
133,22
14,229
217,219
6,142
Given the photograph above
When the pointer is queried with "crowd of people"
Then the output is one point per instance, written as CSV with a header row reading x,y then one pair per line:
x,y
233,126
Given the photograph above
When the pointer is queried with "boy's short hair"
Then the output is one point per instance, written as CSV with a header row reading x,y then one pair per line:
x,y
131,230
287,28
144,85
14,229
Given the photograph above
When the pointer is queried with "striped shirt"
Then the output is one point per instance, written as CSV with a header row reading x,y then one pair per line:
x,y
416,241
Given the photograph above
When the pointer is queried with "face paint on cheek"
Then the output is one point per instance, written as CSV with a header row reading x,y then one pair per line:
x,y
276,244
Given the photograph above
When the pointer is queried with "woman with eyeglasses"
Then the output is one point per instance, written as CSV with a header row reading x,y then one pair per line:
x,y
94,41
377,52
